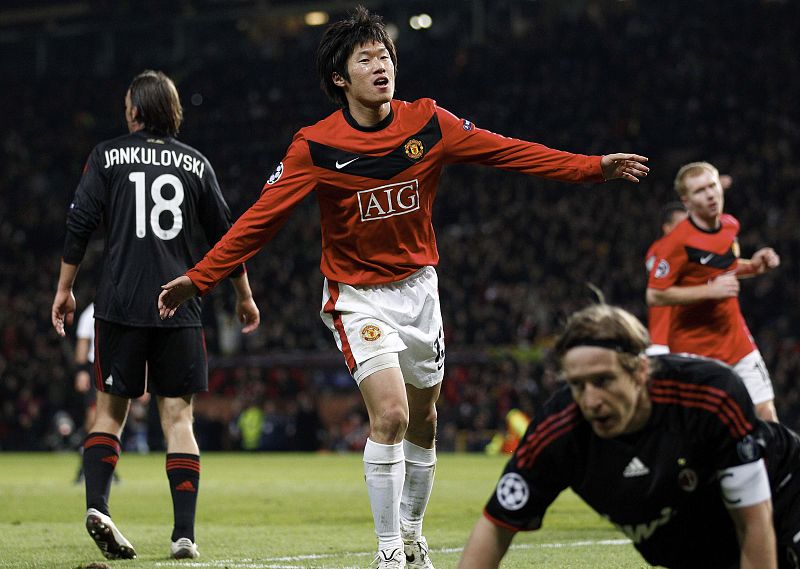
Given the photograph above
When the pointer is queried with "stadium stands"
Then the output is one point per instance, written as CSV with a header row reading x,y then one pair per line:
x,y
717,84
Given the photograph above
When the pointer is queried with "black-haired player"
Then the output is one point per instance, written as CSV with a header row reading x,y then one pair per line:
x,y
375,165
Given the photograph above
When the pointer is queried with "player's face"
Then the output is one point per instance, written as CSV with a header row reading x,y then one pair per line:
x,y
610,398
704,197
371,76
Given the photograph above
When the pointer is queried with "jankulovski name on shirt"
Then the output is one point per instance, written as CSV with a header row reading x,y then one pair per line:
x,y
140,155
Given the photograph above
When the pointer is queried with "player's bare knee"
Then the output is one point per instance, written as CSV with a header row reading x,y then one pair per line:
x,y
390,424
422,432
175,413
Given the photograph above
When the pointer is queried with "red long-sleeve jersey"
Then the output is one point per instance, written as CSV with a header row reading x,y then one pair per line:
x,y
375,187
657,316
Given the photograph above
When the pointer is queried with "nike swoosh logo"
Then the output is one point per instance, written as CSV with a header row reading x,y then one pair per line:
x,y
341,165
706,259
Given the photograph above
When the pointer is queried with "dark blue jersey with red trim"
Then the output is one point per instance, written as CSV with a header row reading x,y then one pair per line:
x,y
162,207
659,486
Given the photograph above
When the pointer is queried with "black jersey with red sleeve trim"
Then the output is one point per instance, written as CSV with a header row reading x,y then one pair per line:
x,y
690,256
659,486
162,206
375,188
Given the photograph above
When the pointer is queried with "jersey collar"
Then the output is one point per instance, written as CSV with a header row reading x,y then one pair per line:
x,y
710,231
376,127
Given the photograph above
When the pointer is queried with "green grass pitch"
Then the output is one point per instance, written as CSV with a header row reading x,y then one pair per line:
x,y
275,511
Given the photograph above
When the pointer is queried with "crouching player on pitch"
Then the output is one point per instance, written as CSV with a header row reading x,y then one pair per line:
x,y
667,448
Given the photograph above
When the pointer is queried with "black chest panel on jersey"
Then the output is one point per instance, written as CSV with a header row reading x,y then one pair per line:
x,y
386,167
709,259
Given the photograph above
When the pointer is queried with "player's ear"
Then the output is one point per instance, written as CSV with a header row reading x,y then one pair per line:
x,y
132,114
338,80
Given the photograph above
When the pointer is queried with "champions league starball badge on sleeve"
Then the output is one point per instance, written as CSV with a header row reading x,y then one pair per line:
x,y
512,491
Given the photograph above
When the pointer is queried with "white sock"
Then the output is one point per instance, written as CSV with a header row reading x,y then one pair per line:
x,y
384,470
420,467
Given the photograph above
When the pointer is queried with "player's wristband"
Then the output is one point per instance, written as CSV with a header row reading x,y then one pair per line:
x,y
84,367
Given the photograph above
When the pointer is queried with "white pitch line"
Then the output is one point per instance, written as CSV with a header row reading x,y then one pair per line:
x,y
284,562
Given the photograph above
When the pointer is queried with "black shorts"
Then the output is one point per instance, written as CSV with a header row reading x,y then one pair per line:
x,y
168,362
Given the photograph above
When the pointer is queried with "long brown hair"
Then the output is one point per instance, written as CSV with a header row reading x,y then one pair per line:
x,y
156,97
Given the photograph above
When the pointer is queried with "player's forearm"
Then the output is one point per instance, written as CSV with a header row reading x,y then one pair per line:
x,y
241,285
758,551
677,295
66,276
486,546
756,536
745,269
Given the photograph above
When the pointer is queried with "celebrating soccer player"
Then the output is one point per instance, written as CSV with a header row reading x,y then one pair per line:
x,y
153,193
375,165
667,448
696,272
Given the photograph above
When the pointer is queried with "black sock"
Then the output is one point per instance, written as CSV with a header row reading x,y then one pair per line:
x,y
100,455
183,472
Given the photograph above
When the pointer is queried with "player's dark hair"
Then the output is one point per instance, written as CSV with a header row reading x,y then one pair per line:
x,y
338,43
605,326
670,209
156,97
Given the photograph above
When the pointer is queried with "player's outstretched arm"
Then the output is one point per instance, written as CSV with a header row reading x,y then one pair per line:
x,y
486,546
246,309
173,294
63,310
629,167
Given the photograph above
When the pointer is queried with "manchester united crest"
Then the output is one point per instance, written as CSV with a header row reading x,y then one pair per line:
x,y
414,148
371,333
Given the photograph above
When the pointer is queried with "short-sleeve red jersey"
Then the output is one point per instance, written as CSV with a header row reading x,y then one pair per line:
x,y
375,188
690,256
657,316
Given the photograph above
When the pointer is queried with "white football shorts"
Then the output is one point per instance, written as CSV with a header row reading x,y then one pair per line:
x,y
403,317
753,372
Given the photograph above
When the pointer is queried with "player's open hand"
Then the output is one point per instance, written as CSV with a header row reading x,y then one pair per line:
x,y
63,311
248,314
626,166
765,259
175,293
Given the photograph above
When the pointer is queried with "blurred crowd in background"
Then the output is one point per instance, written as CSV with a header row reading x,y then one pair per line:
x,y
717,82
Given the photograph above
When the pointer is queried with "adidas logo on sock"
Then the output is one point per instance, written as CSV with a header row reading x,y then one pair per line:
x,y
186,486
635,468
